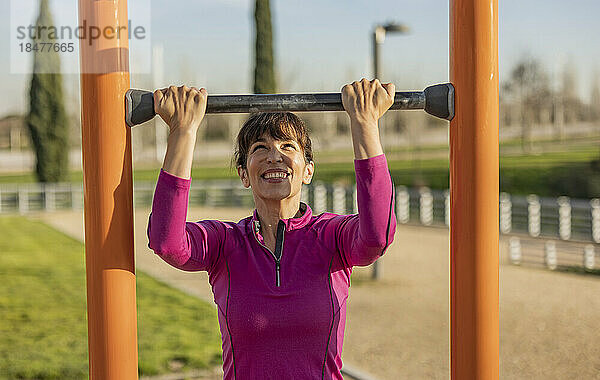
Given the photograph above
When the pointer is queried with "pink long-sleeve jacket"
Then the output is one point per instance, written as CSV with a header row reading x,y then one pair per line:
x,y
281,314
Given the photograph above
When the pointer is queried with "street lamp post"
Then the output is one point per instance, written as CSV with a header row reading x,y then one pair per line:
x,y
378,37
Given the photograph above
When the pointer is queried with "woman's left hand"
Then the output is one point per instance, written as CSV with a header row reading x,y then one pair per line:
x,y
366,101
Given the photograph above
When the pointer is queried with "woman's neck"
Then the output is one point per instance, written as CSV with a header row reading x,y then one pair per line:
x,y
270,212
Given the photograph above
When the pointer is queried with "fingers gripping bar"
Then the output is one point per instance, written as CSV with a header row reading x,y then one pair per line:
x,y
436,100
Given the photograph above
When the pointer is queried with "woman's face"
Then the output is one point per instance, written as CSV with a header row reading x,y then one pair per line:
x,y
275,169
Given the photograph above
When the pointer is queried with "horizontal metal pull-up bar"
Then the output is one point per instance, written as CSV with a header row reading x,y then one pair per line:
x,y
436,100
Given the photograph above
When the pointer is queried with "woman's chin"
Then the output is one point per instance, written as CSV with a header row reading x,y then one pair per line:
x,y
275,195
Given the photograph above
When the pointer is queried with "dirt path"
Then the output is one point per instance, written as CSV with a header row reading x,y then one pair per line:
x,y
397,328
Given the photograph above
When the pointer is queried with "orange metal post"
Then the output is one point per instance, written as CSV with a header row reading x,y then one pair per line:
x,y
108,193
474,191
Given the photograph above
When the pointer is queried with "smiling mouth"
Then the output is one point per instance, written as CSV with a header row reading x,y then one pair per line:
x,y
275,177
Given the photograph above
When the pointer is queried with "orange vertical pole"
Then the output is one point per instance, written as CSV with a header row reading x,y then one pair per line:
x,y
108,191
474,191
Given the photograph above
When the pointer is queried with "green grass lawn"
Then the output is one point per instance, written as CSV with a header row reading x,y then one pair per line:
x,y
43,320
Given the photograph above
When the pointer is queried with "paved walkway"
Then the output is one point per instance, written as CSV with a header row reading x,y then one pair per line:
x,y
397,328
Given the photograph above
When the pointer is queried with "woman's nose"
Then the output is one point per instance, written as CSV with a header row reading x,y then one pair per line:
x,y
274,155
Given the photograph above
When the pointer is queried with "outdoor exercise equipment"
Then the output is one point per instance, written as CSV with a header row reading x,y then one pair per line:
x,y
436,100
474,193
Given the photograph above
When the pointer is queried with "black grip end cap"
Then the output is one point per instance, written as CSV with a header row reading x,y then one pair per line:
x,y
439,100
139,107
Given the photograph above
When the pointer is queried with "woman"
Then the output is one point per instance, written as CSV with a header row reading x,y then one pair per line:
x,y
280,277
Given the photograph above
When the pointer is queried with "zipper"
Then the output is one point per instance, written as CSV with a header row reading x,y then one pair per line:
x,y
278,247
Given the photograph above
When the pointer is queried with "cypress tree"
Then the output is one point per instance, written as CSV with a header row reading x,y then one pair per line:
x,y
264,74
47,119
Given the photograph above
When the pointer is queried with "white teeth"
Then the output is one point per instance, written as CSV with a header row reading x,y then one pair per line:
x,y
275,175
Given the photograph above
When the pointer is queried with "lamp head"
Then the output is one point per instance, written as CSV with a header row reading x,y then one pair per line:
x,y
396,28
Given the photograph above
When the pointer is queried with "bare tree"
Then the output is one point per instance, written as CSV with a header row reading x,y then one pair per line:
x,y
574,109
595,97
528,88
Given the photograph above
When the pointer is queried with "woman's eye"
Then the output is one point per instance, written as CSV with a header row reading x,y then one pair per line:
x,y
256,147
290,145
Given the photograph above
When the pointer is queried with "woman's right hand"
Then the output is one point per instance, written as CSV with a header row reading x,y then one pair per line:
x,y
182,108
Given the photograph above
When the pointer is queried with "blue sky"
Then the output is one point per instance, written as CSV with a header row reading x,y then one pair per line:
x,y
320,45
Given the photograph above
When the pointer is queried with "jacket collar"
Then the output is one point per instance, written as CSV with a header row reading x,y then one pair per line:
x,y
291,223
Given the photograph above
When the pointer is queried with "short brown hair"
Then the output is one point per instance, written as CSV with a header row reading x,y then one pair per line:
x,y
278,125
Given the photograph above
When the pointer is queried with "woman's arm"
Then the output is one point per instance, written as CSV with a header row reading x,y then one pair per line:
x,y
183,109
364,237
180,153
184,245
365,139
365,102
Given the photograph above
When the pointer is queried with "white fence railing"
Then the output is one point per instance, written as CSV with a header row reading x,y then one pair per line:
x,y
555,220
562,218
553,254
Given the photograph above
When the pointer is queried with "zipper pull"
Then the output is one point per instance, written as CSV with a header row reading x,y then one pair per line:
x,y
257,226
278,282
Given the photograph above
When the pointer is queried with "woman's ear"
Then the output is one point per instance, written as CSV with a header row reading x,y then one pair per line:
x,y
309,170
243,173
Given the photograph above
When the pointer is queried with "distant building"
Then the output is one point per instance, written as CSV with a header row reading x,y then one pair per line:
x,y
13,133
